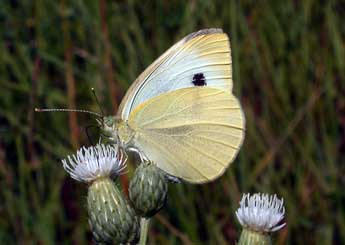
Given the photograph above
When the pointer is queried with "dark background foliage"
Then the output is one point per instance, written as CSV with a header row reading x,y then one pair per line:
x,y
289,70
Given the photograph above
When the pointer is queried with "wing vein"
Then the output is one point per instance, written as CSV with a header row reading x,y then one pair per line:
x,y
201,123
203,153
217,141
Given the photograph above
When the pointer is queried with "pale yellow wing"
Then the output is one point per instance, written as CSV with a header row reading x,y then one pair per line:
x,y
191,133
201,58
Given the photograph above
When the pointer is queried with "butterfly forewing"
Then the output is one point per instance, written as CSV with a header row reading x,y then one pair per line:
x,y
201,59
191,133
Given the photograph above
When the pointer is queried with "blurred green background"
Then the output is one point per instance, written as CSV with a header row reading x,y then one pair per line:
x,y
289,71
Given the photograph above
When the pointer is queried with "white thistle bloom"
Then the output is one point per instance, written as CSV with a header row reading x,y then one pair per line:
x,y
91,163
261,212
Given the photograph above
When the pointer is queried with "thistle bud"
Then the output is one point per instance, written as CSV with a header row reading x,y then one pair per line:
x,y
111,218
148,189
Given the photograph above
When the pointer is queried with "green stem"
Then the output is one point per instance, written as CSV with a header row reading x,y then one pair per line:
x,y
144,228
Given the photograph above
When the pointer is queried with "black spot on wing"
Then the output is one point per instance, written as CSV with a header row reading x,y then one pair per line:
x,y
199,79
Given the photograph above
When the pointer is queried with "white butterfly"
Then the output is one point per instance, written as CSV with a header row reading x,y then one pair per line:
x,y
180,112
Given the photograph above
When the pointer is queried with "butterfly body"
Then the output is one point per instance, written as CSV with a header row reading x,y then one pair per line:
x,y
180,113
117,131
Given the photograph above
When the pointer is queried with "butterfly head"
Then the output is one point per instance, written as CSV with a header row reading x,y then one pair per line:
x,y
116,130
108,126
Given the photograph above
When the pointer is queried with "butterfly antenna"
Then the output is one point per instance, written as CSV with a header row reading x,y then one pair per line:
x,y
67,110
97,101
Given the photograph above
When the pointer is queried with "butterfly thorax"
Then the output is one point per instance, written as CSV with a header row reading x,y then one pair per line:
x,y
117,130
125,133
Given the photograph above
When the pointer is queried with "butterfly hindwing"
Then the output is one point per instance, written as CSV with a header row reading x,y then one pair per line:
x,y
191,133
200,59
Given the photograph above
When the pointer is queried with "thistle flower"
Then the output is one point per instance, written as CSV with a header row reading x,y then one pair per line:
x,y
95,162
111,218
259,214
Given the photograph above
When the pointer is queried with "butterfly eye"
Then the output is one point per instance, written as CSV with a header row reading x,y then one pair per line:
x,y
108,122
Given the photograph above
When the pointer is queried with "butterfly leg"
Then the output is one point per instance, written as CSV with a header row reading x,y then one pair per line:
x,y
142,156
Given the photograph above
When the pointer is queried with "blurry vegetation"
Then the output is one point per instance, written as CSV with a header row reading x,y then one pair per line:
x,y
289,71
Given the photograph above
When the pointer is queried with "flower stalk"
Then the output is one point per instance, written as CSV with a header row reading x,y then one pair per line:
x,y
144,229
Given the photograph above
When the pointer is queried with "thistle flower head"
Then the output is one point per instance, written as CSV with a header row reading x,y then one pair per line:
x,y
261,212
91,163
